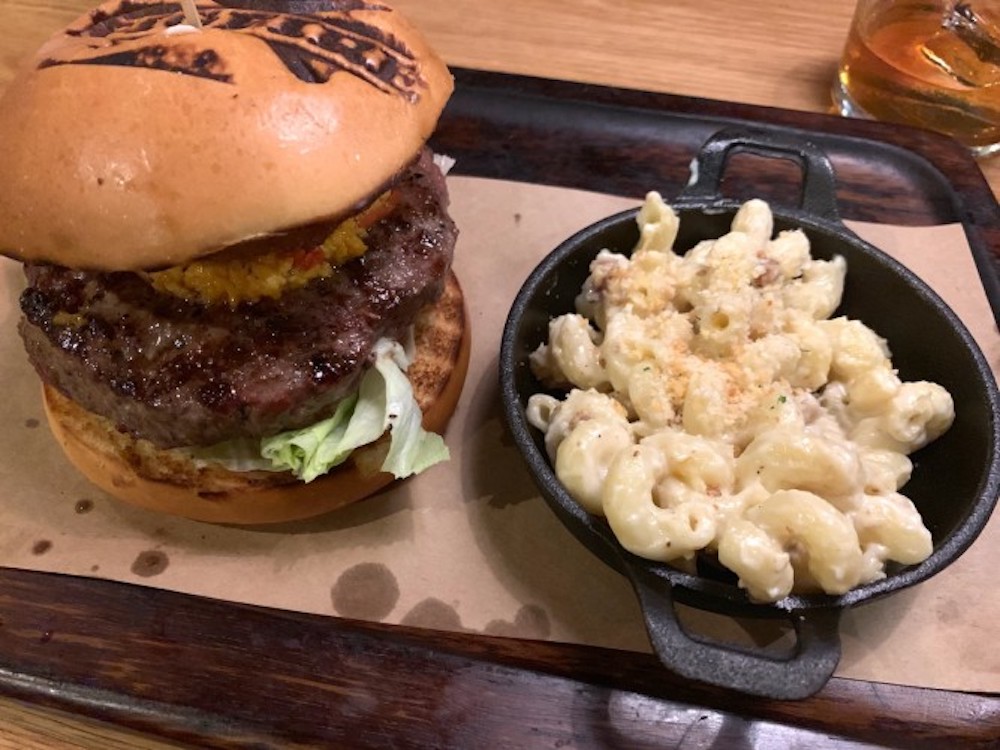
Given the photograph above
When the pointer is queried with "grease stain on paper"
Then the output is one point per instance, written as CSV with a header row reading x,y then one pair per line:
x,y
41,547
31,423
530,621
83,506
434,614
949,611
150,563
366,591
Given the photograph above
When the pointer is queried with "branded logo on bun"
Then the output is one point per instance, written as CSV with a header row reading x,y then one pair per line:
x,y
239,293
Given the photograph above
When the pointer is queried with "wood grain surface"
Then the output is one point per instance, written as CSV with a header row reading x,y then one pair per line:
x,y
768,52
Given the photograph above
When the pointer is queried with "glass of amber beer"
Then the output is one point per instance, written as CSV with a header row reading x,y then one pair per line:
x,y
930,63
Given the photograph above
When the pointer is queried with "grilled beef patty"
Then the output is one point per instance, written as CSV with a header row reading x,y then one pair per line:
x,y
182,373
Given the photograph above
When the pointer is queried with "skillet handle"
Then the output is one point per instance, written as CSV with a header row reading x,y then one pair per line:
x,y
819,183
806,671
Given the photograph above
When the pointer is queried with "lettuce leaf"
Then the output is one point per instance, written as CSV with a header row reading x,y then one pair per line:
x,y
384,401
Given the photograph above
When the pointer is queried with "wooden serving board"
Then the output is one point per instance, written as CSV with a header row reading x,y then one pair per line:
x,y
231,676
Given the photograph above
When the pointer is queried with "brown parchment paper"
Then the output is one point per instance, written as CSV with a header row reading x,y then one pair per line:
x,y
470,545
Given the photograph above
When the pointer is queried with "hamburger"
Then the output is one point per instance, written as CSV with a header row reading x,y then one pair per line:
x,y
239,296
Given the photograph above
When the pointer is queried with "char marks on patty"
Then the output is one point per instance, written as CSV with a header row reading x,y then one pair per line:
x,y
181,373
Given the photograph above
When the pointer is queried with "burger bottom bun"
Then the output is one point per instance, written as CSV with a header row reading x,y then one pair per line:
x,y
136,472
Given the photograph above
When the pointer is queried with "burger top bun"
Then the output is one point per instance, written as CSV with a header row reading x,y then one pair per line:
x,y
133,140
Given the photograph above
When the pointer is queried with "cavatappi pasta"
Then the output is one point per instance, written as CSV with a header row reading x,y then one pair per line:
x,y
713,404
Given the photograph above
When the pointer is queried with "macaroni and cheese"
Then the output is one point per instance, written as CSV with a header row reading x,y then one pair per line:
x,y
713,404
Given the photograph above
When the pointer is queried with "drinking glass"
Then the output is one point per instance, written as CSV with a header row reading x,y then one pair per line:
x,y
931,63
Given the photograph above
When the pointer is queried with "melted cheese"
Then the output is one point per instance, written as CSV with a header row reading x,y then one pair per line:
x,y
234,280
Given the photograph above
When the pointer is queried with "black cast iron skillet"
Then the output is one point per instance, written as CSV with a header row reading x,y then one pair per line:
x,y
955,481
